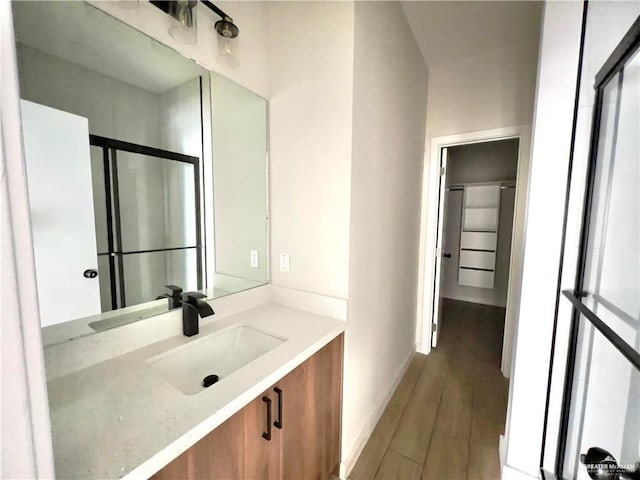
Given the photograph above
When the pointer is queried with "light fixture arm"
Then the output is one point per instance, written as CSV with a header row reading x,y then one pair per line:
x,y
184,13
216,10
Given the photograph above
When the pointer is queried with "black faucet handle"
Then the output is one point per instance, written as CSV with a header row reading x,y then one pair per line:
x,y
175,299
192,297
175,290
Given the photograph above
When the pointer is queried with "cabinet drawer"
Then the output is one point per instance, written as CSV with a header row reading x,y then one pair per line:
x,y
479,240
475,278
478,259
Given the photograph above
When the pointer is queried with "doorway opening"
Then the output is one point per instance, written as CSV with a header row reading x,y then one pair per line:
x,y
473,252
481,261
487,189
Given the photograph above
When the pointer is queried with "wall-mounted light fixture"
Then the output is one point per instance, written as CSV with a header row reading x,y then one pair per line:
x,y
184,27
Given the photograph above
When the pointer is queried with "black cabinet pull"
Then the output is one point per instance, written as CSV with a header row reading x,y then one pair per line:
x,y
267,435
278,422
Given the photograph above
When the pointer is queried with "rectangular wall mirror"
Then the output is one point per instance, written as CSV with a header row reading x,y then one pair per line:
x,y
144,170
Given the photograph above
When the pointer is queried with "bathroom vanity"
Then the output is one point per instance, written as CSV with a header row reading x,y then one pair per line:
x,y
277,416
291,430
160,182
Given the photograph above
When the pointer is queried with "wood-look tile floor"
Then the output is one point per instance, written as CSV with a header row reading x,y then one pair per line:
x,y
446,415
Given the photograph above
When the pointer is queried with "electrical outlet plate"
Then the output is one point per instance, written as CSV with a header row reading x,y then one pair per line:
x,y
284,262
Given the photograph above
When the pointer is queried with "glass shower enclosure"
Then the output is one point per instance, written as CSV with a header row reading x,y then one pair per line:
x,y
148,221
599,434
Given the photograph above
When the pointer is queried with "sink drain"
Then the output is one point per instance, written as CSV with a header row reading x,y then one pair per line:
x,y
209,380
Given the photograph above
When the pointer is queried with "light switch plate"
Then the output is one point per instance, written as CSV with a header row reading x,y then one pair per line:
x,y
253,254
284,262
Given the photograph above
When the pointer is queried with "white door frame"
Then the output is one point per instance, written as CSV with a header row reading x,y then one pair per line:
x,y
429,230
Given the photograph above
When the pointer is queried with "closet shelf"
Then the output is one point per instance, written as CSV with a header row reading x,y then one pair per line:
x,y
478,237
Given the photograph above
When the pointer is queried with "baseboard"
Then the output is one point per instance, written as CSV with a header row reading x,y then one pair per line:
x,y
349,461
510,473
502,450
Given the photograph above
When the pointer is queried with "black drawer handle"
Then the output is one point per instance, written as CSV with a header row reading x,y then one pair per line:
x,y
267,435
278,422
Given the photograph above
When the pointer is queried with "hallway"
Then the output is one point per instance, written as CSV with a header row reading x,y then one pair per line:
x,y
444,419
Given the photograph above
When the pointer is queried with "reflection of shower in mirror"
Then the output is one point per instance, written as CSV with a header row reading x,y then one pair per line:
x,y
165,189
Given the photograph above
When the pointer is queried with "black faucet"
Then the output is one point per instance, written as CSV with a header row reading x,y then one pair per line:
x,y
192,307
175,297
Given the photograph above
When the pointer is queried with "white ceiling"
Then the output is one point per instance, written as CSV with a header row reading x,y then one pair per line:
x,y
84,35
448,31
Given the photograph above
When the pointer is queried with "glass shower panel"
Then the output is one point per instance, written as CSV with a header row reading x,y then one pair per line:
x,y
612,268
157,203
146,274
605,394
605,407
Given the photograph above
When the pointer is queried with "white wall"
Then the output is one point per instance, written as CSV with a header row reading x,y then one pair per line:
x,y
389,102
483,92
180,124
25,438
310,132
115,109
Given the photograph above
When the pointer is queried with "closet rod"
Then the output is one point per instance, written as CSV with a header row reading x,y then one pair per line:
x,y
458,189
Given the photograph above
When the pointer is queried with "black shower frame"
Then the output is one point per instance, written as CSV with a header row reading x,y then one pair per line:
x,y
627,47
109,148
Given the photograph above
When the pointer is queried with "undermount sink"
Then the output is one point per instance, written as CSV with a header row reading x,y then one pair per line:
x,y
219,354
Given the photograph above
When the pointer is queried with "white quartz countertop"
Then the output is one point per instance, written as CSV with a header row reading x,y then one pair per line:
x,y
120,418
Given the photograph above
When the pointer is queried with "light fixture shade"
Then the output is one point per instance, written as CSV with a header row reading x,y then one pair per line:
x,y
228,52
228,44
184,25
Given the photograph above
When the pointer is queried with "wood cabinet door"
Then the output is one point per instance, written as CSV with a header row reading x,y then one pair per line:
x,y
311,405
216,456
292,402
262,456
324,409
